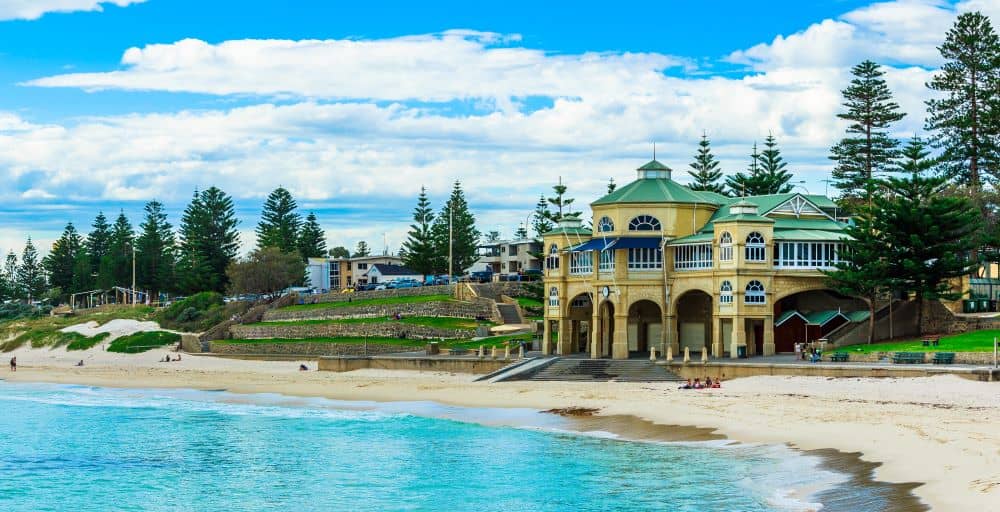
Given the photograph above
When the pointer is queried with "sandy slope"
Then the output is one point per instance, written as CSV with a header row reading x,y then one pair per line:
x,y
944,431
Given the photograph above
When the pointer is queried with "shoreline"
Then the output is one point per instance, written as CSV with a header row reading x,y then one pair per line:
x,y
937,430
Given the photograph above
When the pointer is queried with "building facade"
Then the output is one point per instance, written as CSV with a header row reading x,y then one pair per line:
x,y
667,267
331,274
379,273
508,257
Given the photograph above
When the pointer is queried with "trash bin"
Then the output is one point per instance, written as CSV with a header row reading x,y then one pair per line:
x,y
968,306
993,305
984,305
741,352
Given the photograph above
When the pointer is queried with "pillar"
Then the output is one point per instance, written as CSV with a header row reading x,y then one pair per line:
x,y
769,336
739,336
670,332
564,337
595,339
717,338
547,337
619,345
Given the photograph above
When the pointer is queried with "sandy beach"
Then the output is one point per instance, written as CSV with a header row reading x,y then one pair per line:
x,y
943,431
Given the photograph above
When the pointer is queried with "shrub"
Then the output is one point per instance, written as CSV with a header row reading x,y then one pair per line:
x,y
81,342
143,341
199,302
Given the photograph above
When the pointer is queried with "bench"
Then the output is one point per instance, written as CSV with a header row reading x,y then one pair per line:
x,y
908,358
458,351
930,341
838,357
944,358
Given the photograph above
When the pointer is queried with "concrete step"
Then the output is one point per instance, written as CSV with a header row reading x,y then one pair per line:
x,y
603,370
509,314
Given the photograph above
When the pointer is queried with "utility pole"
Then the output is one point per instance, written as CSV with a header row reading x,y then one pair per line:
x,y
133,275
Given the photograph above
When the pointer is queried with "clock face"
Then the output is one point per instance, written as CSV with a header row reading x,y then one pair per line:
x,y
605,291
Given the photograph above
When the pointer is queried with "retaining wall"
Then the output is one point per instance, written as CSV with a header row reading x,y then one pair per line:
x,y
480,308
733,371
975,358
377,294
305,349
435,364
388,329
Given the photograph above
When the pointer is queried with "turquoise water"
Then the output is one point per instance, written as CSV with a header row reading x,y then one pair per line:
x,y
84,448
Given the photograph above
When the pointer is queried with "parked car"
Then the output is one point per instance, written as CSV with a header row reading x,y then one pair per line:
x,y
382,286
484,276
347,290
531,275
404,283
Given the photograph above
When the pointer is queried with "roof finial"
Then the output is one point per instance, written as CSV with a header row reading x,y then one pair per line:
x,y
654,150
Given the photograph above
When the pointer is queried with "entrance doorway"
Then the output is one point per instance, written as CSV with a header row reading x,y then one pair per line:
x,y
605,329
694,321
645,327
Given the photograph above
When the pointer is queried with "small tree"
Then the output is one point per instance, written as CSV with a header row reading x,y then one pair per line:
x,y
265,271
30,274
279,223
705,168
561,204
463,233
340,252
312,240
741,184
540,220
419,245
362,250
774,176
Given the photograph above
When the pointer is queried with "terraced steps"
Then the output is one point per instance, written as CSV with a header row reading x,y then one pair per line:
x,y
509,314
603,370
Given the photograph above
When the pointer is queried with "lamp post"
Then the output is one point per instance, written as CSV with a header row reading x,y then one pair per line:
x,y
133,275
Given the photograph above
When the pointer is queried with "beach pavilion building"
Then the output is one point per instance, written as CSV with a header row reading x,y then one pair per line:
x,y
666,266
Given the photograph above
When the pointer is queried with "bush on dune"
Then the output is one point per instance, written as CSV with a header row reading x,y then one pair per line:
x,y
143,341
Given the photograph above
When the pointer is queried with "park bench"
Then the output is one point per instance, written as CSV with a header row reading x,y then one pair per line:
x,y
458,351
908,358
931,341
838,357
944,358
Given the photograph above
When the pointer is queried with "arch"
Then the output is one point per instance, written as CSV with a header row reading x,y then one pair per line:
x,y
644,223
694,320
726,246
678,293
810,314
726,293
605,225
645,326
754,293
579,314
755,250
553,250
604,331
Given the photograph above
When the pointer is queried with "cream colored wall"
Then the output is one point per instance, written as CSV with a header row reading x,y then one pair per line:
x,y
677,220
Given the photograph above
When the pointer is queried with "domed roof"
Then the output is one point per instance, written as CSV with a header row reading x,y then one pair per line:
x,y
654,185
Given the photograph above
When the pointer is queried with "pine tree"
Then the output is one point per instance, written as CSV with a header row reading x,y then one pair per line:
x,y
521,233
965,122
493,236
705,168
561,204
929,233
867,151
741,184
60,262
419,245
156,257
611,185
279,224
340,252
464,235
98,241
774,177
83,278
208,241
12,290
30,274
312,239
540,220
362,250
116,266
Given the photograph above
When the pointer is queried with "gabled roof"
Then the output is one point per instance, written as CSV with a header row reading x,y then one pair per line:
x,y
658,190
393,270
654,165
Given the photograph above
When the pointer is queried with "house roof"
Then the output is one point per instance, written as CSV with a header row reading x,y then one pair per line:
x,y
562,230
658,190
810,235
393,270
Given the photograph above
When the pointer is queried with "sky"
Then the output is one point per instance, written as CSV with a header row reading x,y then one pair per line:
x,y
354,106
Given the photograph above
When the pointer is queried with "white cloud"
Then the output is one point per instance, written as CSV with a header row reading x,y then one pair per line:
x,y
34,9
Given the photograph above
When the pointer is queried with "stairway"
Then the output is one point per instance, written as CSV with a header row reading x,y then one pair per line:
x,y
509,314
603,370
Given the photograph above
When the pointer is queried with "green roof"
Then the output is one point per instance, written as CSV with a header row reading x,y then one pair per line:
x,y
693,239
822,317
811,235
856,316
744,217
653,165
559,230
786,315
658,190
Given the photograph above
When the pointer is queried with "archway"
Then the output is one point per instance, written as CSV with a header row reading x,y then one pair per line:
x,y
694,321
645,323
810,315
605,330
579,312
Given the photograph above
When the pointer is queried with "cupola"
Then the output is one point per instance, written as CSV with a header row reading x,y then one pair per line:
x,y
654,170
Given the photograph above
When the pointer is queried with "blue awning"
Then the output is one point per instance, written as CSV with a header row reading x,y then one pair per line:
x,y
639,243
597,244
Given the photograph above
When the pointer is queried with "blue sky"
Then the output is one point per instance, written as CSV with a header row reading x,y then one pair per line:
x,y
354,106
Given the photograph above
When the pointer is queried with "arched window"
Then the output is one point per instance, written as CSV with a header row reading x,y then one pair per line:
x,y
554,296
605,225
552,262
754,293
644,223
726,293
553,250
755,247
726,247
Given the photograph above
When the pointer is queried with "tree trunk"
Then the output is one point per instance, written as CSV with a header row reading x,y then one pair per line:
x,y
871,320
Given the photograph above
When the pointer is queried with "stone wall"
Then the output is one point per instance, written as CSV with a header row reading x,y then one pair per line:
x,y
428,364
305,349
378,294
939,319
374,329
495,290
221,330
974,358
480,308
733,371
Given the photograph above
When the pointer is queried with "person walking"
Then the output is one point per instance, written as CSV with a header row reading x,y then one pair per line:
x,y
13,364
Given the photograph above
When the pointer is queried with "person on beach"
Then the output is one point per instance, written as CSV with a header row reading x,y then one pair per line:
x,y
80,363
708,382
687,385
697,384
13,364
178,358
303,368
718,383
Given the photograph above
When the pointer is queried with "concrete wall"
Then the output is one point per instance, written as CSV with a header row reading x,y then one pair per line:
x,y
903,325
304,349
481,308
733,371
378,294
375,329
436,364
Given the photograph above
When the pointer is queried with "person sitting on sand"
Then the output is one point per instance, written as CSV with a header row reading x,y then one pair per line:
x,y
178,358
718,383
697,384
708,382
303,368
13,364
80,363
687,385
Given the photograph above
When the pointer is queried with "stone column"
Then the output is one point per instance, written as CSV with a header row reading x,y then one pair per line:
x,y
595,340
769,336
619,345
670,333
716,337
547,337
564,335
739,337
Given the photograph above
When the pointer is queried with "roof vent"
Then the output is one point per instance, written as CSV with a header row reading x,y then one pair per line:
x,y
743,207
654,170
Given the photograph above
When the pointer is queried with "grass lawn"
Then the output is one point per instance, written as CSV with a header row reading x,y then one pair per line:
x,y
467,344
44,331
82,342
143,341
370,302
528,302
976,341
444,322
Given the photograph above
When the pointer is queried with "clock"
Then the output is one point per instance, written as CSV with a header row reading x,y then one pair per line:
x,y
605,291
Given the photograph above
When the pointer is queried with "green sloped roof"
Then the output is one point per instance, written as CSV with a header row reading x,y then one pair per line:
x,y
769,202
816,235
821,224
653,165
693,239
857,316
822,317
658,190
744,217
558,230
786,315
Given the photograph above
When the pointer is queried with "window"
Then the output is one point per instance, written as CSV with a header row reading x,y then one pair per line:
x,y
690,257
553,250
362,266
554,296
607,263
605,225
755,247
726,247
809,255
581,263
754,293
644,223
645,259
726,293
513,250
581,301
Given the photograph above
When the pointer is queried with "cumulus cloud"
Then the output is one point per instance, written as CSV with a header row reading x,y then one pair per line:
x,y
34,9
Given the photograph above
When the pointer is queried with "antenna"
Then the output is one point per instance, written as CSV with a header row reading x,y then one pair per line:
x,y
654,150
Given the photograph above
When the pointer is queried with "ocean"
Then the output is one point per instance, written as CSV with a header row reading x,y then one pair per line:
x,y
82,448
